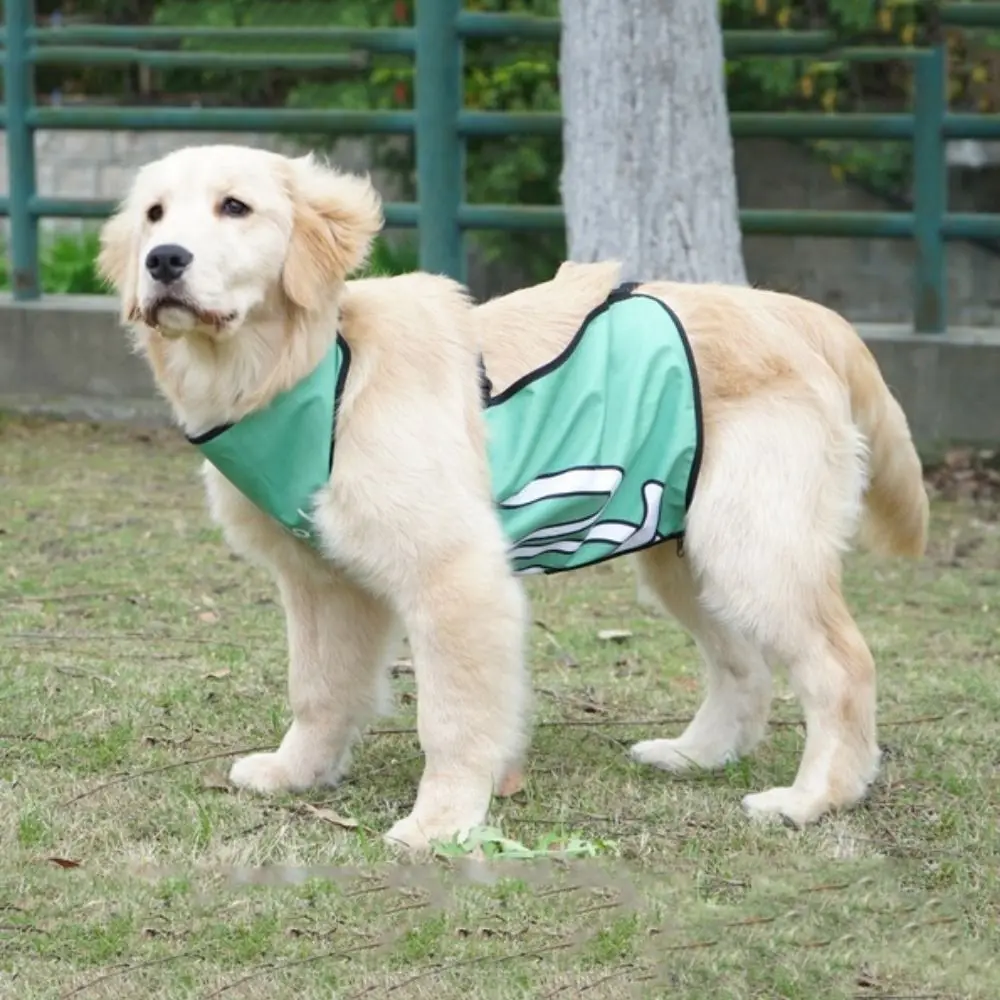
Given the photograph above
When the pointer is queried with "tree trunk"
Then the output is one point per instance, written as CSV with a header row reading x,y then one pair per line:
x,y
648,175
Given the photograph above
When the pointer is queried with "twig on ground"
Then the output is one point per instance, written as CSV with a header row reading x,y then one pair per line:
x,y
30,737
693,944
260,970
145,636
82,672
367,890
897,996
439,967
568,658
559,890
407,906
121,779
749,921
620,971
608,738
560,723
617,974
662,720
614,904
124,969
52,598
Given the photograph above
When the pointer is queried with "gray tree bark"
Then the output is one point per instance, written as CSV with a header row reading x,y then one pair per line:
x,y
648,173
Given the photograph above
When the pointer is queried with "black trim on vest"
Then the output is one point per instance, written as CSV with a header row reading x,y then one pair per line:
x,y
338,392
209,435
485,383
623,291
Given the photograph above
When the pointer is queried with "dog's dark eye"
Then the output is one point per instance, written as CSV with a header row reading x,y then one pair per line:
x,y
154,213
234,208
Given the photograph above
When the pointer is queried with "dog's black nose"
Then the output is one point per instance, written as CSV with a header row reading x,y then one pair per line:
x,y
167,262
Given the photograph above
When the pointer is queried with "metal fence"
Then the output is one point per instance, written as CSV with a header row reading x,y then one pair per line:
x,y
441,125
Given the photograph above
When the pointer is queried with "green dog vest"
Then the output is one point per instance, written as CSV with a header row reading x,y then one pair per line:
x,y
593,455
280,456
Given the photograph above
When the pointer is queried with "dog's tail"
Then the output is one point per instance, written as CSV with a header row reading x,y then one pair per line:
x,y
896,507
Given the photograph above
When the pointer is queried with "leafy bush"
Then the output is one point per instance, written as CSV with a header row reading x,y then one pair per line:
x,y
522,76
67,266
399,257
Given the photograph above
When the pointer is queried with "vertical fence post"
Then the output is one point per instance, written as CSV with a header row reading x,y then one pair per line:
x,y
930,182
440,159
19,16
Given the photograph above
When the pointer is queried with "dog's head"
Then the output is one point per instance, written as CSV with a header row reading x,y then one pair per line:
x,y
209,237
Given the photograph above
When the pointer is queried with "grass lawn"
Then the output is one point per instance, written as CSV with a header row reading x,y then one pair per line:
x,y
137,656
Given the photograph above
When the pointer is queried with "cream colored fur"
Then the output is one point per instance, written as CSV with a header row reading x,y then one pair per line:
x,y
803,444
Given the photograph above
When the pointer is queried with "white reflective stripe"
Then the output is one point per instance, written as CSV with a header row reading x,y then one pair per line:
x,y
626,536
559,530
652,497
568,483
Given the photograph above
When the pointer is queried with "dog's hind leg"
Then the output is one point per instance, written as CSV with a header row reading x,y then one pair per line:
x,y
733,716
339,642
833,674
777,506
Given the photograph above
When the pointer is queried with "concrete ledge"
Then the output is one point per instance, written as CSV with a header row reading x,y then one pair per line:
x,y
948,385
68,356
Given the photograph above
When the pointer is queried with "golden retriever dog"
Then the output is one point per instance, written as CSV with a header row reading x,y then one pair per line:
x,y
231,265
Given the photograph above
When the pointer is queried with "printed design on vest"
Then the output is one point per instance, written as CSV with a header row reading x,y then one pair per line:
x,y
578,489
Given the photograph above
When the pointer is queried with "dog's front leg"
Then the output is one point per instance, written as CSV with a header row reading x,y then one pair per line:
x,y
465,618
338,643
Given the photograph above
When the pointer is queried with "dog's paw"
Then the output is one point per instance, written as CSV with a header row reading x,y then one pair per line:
x,y
419,836
265,773
679,757
408,835
784,805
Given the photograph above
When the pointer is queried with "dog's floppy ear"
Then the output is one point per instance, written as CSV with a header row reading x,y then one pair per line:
x,y
116,261
336,218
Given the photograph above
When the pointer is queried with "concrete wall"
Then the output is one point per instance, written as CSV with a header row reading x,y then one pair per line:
x,y
68,356
868,280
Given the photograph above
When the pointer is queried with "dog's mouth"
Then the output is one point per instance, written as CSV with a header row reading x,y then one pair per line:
x,y
201,318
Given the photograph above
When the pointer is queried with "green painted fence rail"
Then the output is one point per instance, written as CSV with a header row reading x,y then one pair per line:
x,y
440,124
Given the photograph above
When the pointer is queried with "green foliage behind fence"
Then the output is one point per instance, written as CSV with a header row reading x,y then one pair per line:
x,y
521,75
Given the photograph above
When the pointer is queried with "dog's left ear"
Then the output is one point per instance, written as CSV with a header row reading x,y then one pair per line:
x,y
336,218
116,261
